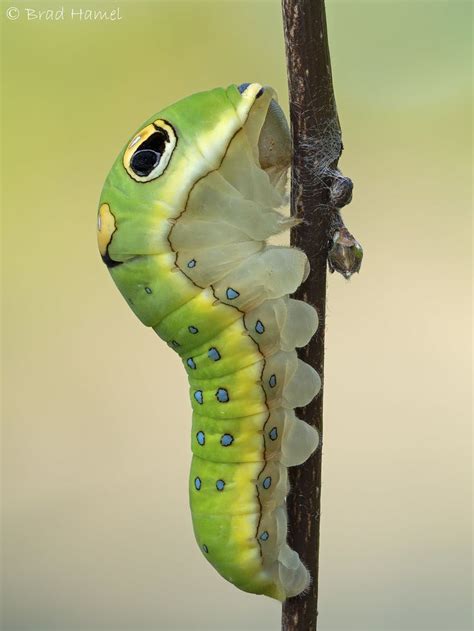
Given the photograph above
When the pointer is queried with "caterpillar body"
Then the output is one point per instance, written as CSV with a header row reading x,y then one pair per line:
x,y
183,223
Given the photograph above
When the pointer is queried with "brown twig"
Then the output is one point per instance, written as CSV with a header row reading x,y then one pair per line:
x,y
318,192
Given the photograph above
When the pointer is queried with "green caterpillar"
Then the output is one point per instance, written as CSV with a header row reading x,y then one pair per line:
x,y
183,221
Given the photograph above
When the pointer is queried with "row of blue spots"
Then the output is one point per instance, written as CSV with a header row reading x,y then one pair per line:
x,y
267,482
232,294
192,329
259,327
272,381
220,484
221,395
273,433
213,354
226,439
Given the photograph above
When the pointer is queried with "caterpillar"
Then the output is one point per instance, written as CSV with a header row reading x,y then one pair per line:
x,y
183,222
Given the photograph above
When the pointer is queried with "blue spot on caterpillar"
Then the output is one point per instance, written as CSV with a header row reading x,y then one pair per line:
x,y
267,482
227,440
220,484
201,438
259,327
231,294
191,363
197,484
199,396
213,354
193,330
222,395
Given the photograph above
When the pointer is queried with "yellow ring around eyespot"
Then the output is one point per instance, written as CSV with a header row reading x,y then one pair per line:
x,y
138,139
105,228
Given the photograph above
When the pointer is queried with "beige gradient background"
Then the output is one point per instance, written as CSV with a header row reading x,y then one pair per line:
x,y
96,528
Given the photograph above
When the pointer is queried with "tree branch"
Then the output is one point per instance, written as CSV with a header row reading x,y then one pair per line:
x,y
318,192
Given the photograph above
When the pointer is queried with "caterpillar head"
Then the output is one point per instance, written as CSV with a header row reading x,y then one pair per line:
x,y
151,179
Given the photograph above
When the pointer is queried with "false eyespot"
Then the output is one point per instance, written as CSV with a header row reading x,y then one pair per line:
x,y
149,152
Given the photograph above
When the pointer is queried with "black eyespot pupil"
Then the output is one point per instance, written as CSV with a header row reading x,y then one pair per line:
x,y
144,161
148,154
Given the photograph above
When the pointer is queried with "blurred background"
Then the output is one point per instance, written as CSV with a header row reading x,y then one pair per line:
x,y
96,527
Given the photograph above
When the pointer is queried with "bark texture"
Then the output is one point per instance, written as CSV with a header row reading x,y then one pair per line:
x,y
318,191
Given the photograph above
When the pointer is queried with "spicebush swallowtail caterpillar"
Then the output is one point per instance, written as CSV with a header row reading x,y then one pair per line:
x,y
183,221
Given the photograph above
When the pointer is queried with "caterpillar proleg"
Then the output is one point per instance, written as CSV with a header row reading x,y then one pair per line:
x,y
183,223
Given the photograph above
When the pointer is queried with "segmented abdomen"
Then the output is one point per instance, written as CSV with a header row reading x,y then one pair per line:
x,y
238,483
